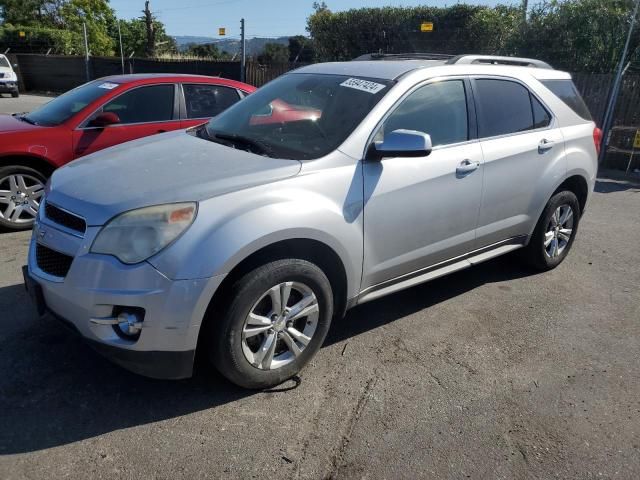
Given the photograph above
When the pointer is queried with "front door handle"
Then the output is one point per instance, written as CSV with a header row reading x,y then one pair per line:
x,y
545,145
467,166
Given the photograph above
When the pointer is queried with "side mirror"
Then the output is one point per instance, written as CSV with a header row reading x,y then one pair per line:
x,y
104,119
15,66
402,143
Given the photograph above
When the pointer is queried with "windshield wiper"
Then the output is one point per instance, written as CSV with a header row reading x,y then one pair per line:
x,y
259,147
24,118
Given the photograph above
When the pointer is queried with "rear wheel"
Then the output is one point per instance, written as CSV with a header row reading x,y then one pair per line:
x,y
276,320
554,234
21,190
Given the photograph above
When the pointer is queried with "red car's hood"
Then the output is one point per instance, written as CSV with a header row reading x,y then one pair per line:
x,y
9,123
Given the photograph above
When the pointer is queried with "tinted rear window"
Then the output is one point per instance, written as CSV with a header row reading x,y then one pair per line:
x,y
503,107
566,91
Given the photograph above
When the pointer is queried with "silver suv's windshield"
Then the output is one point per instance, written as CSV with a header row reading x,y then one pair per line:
x,y
62,108
4,62
298,116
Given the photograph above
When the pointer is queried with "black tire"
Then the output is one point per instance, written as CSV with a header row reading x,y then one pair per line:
x,y
15,94
5,172
536,253
225,330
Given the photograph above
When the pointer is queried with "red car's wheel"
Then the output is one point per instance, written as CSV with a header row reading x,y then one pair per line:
x,y
21,190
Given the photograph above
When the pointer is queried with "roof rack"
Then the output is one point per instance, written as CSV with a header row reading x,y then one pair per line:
x,y
497,60
404,56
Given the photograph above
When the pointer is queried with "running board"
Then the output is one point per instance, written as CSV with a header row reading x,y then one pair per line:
x,y
441,269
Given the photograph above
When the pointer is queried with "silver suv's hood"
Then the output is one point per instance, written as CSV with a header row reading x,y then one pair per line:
x,y
166,168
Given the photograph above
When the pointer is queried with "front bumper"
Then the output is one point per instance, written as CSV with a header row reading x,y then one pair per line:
x,y
97,285
8,87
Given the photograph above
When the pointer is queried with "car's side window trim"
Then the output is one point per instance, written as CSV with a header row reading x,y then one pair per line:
x,y
184,98
175,116
471,133
474,87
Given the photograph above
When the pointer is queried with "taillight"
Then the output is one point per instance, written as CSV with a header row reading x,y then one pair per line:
x,y
597,138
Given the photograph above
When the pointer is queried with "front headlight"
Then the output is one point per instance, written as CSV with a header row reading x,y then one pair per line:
x,y
134,236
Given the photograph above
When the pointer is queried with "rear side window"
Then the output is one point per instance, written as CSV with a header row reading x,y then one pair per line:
x,y
541,118
566,91
439,109
143,105
503,107
204,101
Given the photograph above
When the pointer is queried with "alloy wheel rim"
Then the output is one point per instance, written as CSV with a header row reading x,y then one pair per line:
x,y
20,196
559,231
280,325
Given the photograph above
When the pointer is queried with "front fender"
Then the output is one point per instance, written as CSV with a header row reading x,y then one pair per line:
x,y
325,206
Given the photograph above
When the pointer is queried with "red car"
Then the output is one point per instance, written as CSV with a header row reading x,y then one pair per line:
x,y
97,115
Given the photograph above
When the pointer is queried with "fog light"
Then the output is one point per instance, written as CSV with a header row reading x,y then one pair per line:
x,y
129,324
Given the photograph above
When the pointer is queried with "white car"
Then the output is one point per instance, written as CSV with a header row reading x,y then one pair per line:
x,y
8,78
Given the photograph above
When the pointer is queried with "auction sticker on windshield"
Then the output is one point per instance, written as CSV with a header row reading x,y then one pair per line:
x,y
364,85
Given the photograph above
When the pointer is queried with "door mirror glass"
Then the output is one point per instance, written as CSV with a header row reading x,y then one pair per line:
x,y
402,143
104,119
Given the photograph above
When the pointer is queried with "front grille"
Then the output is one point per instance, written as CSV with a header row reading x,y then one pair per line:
x,y
52,262
64,218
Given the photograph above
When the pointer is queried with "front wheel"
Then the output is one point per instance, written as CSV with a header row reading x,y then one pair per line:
x,y
21,190
554,234
276,320
15,94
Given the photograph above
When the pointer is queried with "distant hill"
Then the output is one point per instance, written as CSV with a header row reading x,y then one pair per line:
x,y
232,45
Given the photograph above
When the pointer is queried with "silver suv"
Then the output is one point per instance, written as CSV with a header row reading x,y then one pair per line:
x,y
333,185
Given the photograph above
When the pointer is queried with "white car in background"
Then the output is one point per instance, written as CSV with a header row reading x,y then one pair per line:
x,y
8,78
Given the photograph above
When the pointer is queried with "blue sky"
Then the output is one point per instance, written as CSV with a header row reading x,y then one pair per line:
x,y
264,18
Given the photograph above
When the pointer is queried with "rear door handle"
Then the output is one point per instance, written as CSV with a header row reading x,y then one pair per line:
x,y
545,145
467,166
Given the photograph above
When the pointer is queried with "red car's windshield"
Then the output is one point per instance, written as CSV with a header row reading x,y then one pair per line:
x,y
62,108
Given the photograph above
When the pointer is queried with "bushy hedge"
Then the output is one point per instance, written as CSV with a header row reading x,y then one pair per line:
x,y
579,35
40,39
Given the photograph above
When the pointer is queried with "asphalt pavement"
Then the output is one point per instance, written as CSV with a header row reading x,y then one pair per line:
x,y
24,103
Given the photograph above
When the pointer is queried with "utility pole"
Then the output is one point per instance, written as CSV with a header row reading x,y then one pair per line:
x,y
243,51
86,52
525,8
121,51
151,33
615,89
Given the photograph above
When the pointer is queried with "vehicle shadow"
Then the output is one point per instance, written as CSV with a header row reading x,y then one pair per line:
x,y
377,313
55,390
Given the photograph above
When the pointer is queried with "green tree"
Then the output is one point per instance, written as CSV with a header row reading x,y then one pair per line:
x,y
274,53
134,38
99,18
301,49
579,35
31,13
206,50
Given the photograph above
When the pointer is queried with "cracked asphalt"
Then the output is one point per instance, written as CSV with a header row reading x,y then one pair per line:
x,y
490,373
